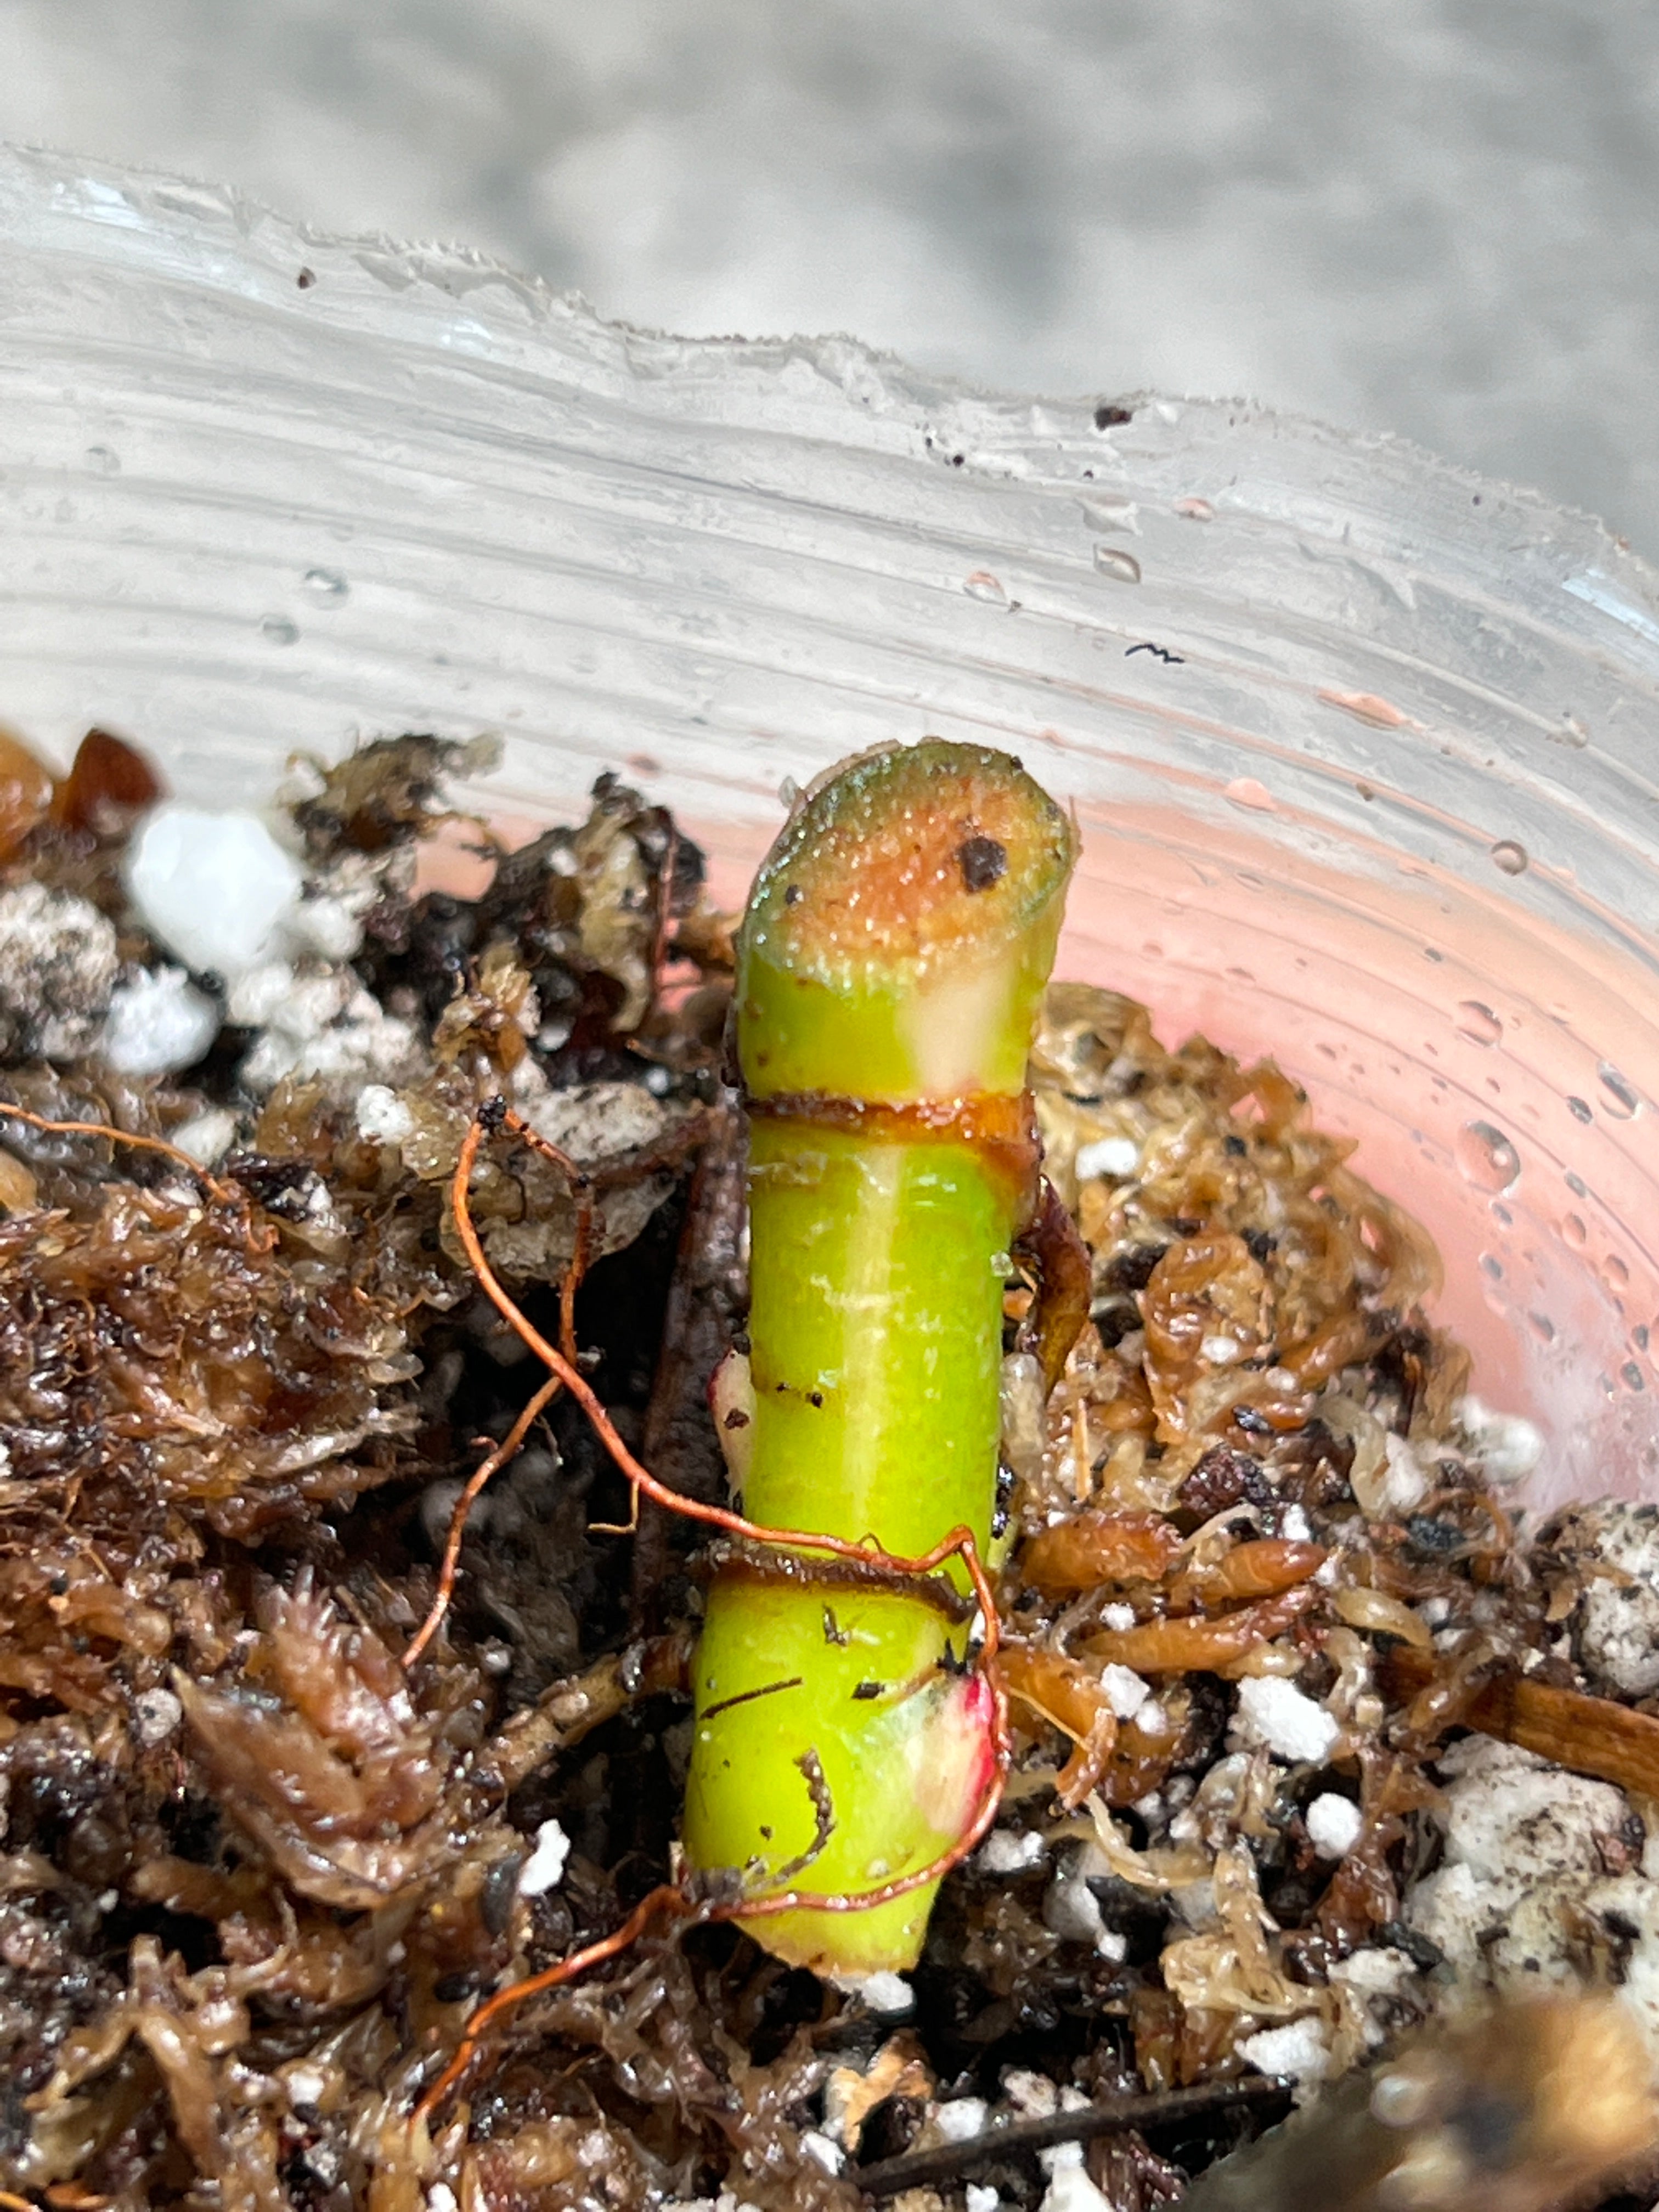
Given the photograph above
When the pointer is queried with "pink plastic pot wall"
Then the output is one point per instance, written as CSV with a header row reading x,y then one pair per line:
x,y
1364,750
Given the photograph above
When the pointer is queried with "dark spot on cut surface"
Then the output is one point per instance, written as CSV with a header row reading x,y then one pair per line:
x,y
737,1419
982,860
305,279
1109,416
865,1691
792,894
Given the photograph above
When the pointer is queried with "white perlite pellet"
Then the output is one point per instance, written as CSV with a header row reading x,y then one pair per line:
x,y
544,1869
158,1023
1108,1156
1012,1851
207,1136
157,1713
1334,1824
1508,1446
1070,2188
887,1993
960,2119
58,965
216,890
382,1116
1614,1544
1300,2051
1275,1712
1526,1872
818,2146
1126,1692
1406,1484
307,2086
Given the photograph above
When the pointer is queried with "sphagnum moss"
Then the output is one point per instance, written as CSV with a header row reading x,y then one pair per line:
x,y
890,966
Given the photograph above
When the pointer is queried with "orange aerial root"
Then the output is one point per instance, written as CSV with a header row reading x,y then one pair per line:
x,y
226,1194
668,1900
496,1460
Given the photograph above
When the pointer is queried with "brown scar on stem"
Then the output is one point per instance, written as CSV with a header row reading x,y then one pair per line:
x,y
748,1696
1590,1735
741,1559
1000,1128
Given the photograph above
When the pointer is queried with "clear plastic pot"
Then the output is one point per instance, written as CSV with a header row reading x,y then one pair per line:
x,y
1364,750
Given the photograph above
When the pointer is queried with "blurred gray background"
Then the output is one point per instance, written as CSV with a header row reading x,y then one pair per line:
x,y
1439,217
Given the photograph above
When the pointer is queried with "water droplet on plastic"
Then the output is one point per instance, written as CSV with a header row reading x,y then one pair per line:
x,y
1632,1374
1617,1272
325,584
1477,1023
1639,1336
1570,731
1623,1100
1501,1214
1510,857
1576,1184
1579,1110
279,630
1108,511
1573,1229
1245,791
1486,1158
1491,1267
102,460
1195,510
1113,561
1542,1327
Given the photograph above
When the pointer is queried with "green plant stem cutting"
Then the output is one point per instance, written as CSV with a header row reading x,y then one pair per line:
x,y
891,962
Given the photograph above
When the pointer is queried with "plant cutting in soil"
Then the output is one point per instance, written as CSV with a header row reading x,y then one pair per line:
x,y
372,1597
